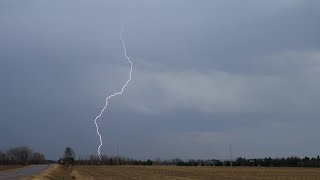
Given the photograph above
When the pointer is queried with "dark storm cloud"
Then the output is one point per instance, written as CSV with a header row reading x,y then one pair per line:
x,y
206,74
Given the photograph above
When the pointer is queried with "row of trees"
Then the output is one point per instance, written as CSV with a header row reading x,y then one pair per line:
x,y
279,162
21,155
264,162
111,160
119,160
199,162
69,158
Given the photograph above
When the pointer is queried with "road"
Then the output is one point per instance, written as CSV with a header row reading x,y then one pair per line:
x,y
23,172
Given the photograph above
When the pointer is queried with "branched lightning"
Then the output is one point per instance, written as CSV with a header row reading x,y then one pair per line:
x,y
115,94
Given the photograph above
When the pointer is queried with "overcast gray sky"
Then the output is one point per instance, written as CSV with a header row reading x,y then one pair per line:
x,y
206,74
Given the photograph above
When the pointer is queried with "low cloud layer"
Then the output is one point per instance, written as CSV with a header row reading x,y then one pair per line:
x,y
282,85
206,74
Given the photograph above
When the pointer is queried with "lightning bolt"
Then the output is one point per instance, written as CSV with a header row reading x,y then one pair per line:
x,y
115,94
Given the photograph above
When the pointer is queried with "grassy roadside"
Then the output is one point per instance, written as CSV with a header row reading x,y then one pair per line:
x,y
55,172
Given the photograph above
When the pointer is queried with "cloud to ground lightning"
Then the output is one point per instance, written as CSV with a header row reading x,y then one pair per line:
x,y
115,94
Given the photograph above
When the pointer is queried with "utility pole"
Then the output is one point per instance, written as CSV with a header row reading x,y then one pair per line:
x,y
117,155
230,155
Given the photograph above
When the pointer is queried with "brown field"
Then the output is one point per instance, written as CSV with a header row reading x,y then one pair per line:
x,y
10,167
177,172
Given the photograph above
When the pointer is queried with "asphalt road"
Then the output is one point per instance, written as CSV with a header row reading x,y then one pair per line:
x,y
23,172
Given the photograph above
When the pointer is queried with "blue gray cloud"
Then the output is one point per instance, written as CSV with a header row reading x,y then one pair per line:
x,y
207,74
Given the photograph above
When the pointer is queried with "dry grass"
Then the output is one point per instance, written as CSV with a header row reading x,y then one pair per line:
x,y
55,172
10,167
176,172
188,173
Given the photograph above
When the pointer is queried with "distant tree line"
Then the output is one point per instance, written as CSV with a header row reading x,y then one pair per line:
x,y
279,162
69,158
199,162
22,155
119,160
110,160
260,162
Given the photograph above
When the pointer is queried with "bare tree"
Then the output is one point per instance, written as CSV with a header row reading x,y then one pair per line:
x,y
69,156
20,154
2,158
37,158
